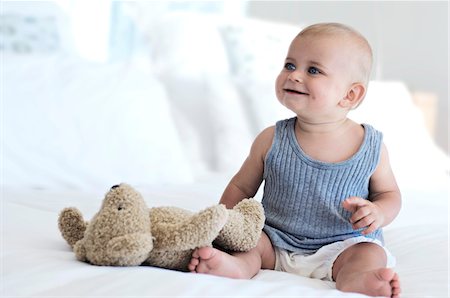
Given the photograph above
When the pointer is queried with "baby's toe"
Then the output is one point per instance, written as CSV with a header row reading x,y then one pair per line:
x,y
193,264
195,254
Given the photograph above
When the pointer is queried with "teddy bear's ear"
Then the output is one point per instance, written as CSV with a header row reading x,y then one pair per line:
x,y
71,225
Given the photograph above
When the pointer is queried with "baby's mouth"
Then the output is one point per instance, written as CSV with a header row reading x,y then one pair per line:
x,y
295,91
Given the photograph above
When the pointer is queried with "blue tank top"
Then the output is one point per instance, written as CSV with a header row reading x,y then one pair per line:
x,y
303,197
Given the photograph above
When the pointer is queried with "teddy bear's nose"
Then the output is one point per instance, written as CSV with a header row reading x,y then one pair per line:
x,y
115,186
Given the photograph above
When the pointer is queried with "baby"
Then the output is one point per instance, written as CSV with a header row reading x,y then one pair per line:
x,y
329,187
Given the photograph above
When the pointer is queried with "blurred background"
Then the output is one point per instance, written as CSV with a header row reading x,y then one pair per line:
x,y
76,63
409,38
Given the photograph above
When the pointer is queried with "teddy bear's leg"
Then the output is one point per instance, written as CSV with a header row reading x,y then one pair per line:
x,y
196,231
71,225
175,260
80,251
243,228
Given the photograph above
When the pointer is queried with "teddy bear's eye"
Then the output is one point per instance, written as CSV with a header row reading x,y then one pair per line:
x,y
120,207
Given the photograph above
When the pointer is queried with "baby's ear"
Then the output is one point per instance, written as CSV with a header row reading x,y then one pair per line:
x,y
354,96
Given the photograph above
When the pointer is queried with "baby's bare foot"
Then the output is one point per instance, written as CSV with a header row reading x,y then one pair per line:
x,y
380,282
209,260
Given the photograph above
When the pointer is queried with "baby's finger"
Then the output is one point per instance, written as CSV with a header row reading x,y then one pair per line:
x,y
360,214
370,229
363,222
353,203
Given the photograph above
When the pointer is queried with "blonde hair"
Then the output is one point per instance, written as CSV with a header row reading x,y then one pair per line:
x,y
363,59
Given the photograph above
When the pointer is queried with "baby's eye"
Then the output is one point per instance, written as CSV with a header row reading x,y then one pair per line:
x,y
289,66
313,70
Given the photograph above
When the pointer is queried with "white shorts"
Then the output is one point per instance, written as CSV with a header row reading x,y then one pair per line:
x,y
320,264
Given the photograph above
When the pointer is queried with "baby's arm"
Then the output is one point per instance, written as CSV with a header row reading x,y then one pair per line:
x,y
246,182
384,199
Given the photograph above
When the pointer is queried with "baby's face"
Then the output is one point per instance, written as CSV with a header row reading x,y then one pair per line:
x,y
316,76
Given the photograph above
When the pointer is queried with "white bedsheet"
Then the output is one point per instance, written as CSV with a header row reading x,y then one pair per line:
x,y
37,262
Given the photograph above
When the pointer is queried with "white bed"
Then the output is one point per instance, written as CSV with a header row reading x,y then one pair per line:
x,y
71,129
37,262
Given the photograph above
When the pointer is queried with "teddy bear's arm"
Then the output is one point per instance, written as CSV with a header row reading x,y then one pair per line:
x,y
189,233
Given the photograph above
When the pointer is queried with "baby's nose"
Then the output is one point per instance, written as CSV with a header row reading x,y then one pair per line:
x,y
296,77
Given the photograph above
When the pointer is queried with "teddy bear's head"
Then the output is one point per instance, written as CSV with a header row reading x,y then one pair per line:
x,y
119,234
123,211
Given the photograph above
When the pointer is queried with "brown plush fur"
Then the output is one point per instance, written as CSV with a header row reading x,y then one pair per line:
x,y
125,232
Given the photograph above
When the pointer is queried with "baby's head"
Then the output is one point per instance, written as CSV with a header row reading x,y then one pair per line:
x,y
326,71
356,46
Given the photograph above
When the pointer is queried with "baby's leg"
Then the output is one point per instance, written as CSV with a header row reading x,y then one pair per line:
x,y
361,268
243,265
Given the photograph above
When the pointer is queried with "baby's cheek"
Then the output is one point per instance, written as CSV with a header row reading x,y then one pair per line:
x,y
278,88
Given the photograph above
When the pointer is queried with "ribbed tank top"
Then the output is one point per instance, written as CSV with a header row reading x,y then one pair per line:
x,y
303,197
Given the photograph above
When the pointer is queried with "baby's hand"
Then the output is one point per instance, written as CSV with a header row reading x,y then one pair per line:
x,y
365,214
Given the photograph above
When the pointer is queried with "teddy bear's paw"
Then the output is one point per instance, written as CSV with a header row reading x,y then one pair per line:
x,y
252,210
129,250
243,228
196,231
71,225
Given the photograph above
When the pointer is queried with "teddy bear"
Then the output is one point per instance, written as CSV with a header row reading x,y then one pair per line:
x,y
125,232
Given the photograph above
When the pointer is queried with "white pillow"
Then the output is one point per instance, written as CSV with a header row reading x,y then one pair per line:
x,y
211,122
190,58
257,50
186,44
69,124
415,158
